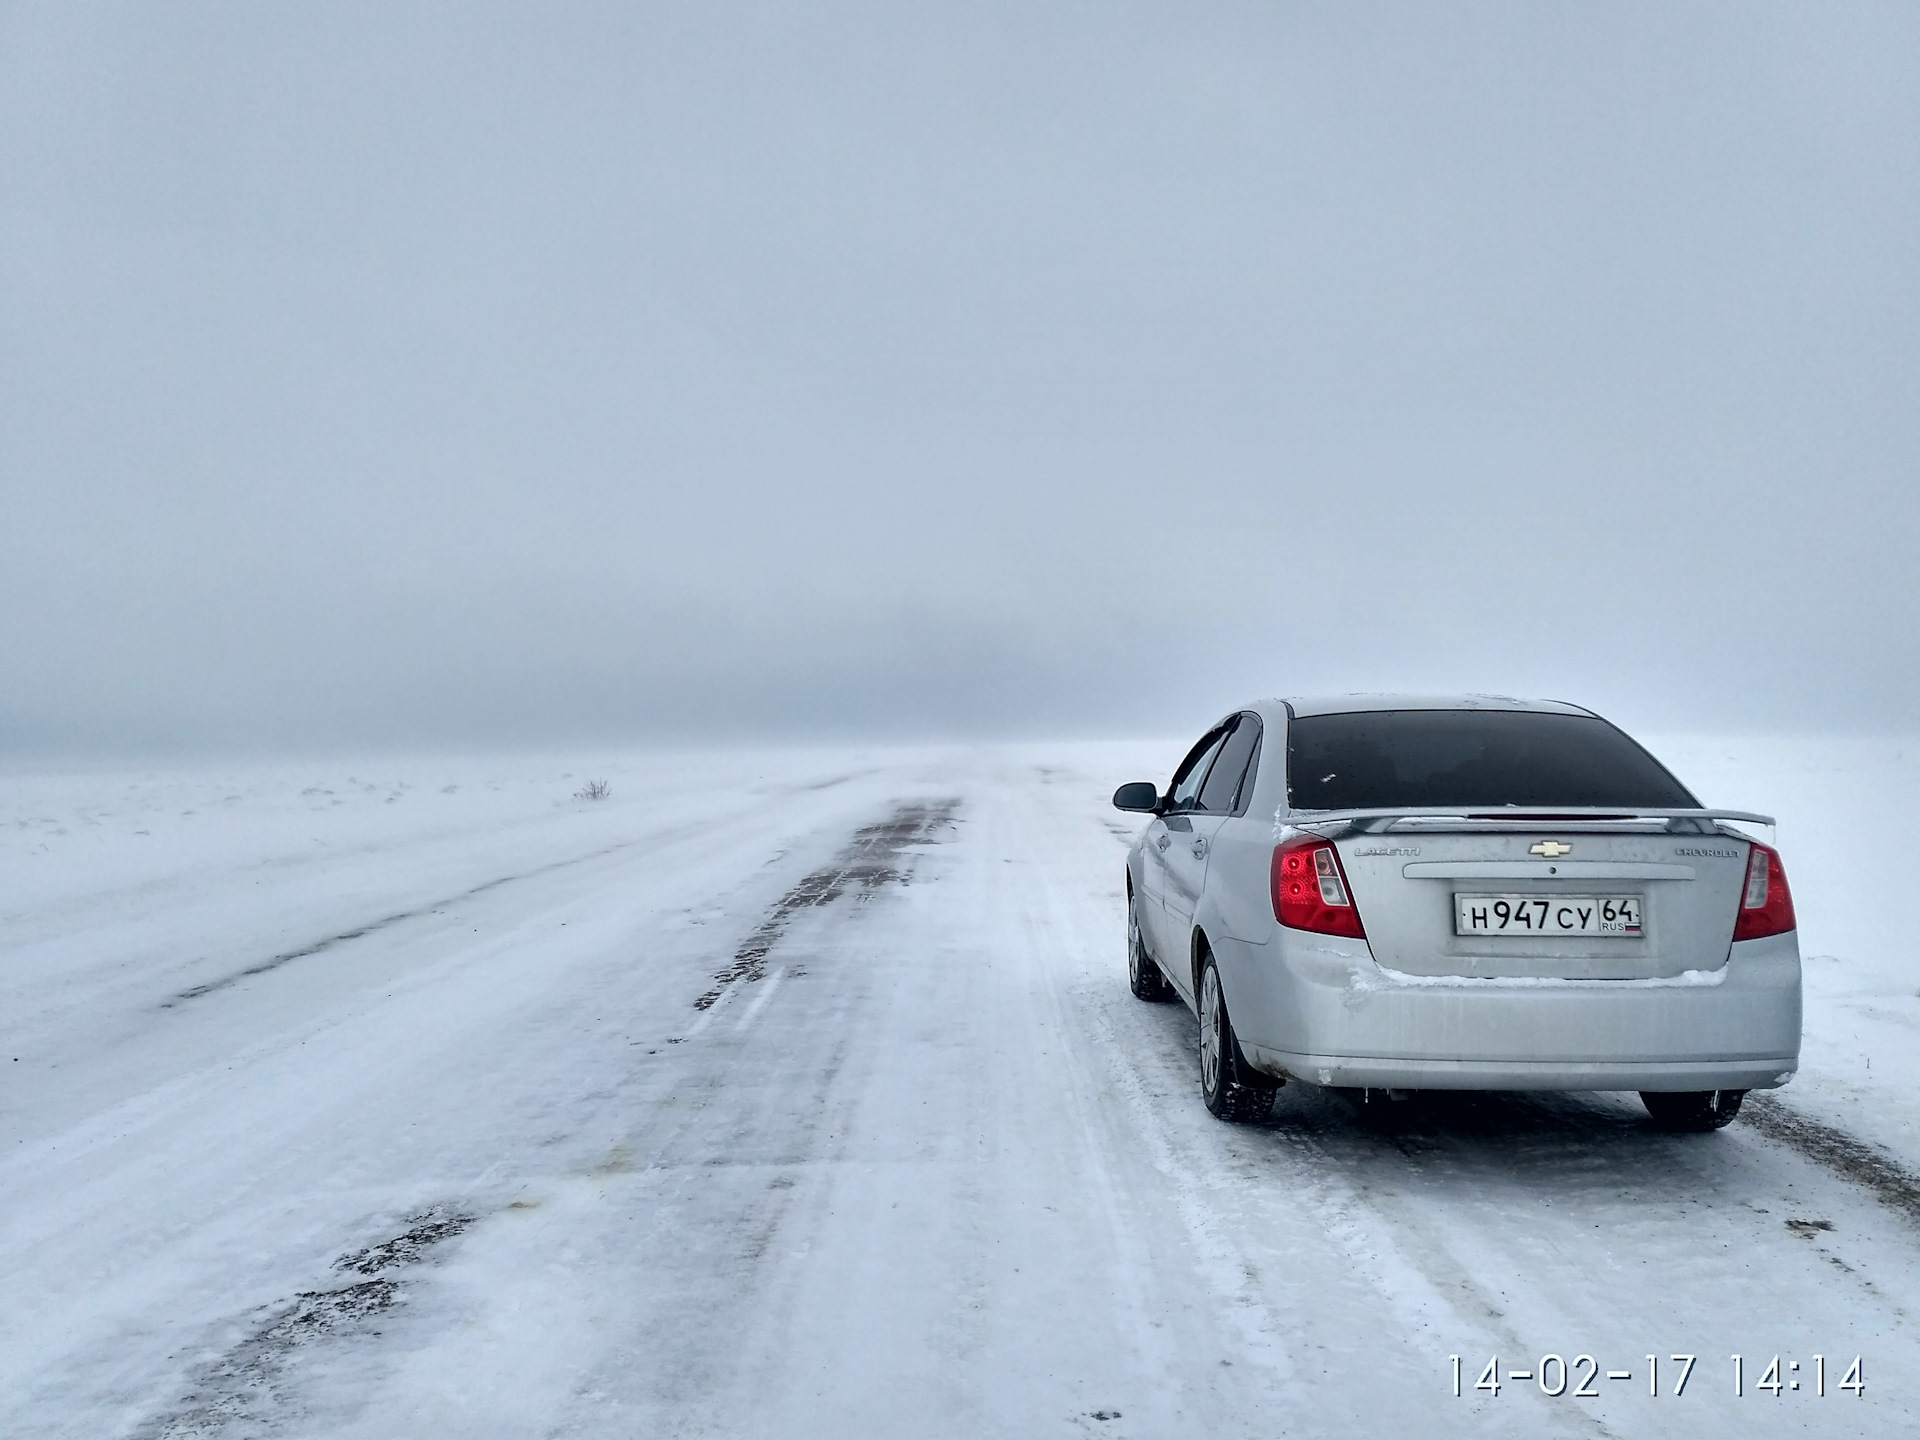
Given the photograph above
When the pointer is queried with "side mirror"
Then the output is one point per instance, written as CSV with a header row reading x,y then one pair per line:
x,y
1140,795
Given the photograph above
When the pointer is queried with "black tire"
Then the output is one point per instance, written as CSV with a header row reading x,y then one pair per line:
x,y
1231,1088
1144,977
1692,1110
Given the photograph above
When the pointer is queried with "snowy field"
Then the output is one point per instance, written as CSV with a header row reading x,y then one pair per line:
x,y
801,1094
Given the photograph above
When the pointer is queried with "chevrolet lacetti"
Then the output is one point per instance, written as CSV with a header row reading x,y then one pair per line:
x,y
1389,894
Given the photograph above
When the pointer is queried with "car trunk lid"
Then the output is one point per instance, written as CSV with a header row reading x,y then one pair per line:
x,y
1405,877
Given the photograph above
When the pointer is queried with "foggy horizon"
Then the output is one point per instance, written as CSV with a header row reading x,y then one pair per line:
x,y
406,375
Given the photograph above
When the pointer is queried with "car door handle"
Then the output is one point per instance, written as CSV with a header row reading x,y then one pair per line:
x,y
1199,847
1164,841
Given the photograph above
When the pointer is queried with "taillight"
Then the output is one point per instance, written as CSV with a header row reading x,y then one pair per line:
x,y
1310,889
1766,905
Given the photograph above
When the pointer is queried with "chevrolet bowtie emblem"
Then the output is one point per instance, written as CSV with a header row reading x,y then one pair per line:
x,y
1552,849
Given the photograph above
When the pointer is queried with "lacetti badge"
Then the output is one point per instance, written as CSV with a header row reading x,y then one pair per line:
x,y
1552,849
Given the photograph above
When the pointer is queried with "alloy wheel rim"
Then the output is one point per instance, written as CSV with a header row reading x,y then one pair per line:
x,y
1210,1031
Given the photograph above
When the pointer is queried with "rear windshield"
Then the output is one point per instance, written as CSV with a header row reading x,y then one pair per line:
x,y
1455,758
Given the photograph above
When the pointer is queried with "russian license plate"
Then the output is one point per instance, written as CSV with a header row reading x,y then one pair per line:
x,y
1546,914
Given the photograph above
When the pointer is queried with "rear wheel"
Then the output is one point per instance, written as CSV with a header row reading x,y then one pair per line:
x,y
1694,1110
1232,1089
1143,975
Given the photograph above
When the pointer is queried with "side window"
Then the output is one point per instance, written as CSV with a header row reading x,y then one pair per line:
x,y
1226,782
1184,792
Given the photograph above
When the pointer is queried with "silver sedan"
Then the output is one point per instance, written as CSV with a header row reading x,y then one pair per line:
x,y
1397,893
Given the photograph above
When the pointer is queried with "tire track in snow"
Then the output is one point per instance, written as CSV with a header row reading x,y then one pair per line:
x,y
1396,1255
1406,1257
1890,1182
1387,1244
755,1144
384,922
870,861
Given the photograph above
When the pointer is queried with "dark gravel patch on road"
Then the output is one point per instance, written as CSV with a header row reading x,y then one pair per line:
x,y
873,859
246,1390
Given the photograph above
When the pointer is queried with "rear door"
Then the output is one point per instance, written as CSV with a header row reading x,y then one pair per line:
x,y
1168,839
1195,821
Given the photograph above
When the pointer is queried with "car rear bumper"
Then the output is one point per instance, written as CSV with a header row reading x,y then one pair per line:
x,y
1330,1018
1384,1073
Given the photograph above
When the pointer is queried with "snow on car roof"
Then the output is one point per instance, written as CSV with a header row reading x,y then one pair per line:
x,y
1348,704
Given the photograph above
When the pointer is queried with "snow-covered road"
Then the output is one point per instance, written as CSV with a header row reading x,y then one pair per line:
x,y
802,1094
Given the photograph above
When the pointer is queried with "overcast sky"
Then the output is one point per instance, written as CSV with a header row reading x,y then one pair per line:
x,y
400,373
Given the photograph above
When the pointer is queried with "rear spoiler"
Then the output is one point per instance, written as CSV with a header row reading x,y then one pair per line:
x,y
1533,816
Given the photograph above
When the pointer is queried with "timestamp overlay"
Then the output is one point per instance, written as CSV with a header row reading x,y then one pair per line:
x,y
1583,1376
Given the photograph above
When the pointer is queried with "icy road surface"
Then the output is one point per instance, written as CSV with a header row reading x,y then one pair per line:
x,y
802,1094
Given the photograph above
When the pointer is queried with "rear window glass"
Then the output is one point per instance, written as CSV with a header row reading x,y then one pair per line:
x,y
1454,758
